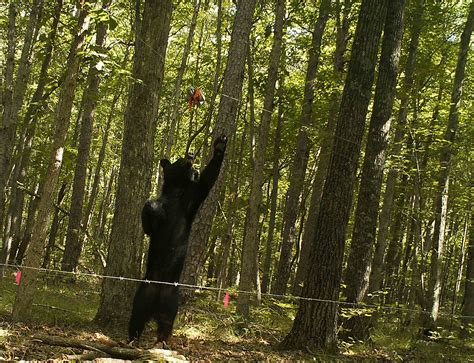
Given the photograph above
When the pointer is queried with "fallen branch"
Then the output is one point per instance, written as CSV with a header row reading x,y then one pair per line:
x,y
112,351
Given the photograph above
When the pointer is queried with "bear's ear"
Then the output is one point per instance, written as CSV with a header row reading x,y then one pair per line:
x,y
164,163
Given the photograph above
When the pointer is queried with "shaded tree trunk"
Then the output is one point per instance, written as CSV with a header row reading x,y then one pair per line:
x,y
315,323
250,246
100,160
7,104
33,110
326,145
441,202
467,312
365,223
274,194
235,170
300,159
134,181
34,257
385,215
73,246
225,124
175,108
10,120
54,228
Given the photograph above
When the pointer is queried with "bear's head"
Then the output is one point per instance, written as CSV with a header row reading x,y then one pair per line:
x,y
180,173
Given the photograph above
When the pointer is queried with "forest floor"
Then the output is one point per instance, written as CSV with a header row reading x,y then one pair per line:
x,y
204,330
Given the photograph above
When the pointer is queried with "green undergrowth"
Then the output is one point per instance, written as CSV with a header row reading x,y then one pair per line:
x,y
206,329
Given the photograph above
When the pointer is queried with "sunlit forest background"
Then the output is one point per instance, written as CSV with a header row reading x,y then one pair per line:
x,y
342,221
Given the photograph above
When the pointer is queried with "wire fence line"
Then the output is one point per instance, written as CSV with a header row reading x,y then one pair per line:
x,y
347,304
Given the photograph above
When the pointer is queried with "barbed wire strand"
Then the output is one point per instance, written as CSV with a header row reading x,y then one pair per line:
x,y
218,289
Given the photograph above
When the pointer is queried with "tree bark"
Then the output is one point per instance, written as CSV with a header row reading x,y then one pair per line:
x,y
74,240
385,215
467,312
365,223
175,107
10,116
100,161
300,158
251,243
7,104
315,323
441,202
235,170
34,107
134,181
274,194
225,124
54,228
34,257
326,145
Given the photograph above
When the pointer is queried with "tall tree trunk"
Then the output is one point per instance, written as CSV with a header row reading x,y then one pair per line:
x,y
25,241
225,124
251,243
54,228
100,160
73,246
300,158
315,323
9,127
342,37
134,181
34,257
34,107
274,194
441,202
235,170
7,104
10,116
365,224
175,108
385,215
467,312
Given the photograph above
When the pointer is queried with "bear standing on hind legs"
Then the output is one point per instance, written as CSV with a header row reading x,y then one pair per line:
x,y
167,220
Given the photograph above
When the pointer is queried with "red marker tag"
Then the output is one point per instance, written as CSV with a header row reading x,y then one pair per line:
x,y
226,299
17,277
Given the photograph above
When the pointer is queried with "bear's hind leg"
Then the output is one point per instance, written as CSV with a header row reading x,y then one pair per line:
x,y
141,312
166,312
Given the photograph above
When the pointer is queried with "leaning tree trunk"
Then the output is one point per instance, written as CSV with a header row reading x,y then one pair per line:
x,y
365,224
54,228
73,245
315,323
7,104
440,206
385,214
34,257
300,158
225,124
34,107
134,182
342,37
467,312
251,244
10,120
175,107
274,194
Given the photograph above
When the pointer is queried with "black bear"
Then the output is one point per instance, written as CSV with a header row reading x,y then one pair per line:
x,y
167,220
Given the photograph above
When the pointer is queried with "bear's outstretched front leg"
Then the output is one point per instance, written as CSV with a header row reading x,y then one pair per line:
x,y
210,173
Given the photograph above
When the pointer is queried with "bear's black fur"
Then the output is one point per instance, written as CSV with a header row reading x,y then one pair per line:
x,y
167,220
